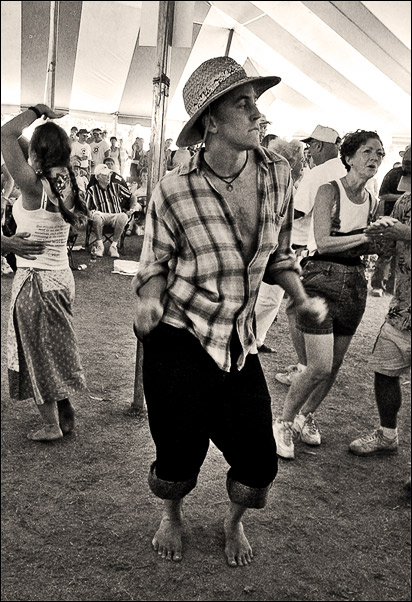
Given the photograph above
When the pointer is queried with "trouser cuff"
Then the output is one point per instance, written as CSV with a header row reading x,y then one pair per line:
x,y
247,496
169,490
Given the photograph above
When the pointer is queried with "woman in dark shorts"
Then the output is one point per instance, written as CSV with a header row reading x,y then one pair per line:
x,y
335,271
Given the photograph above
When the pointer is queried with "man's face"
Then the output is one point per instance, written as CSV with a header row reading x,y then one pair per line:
x,y
97,135
109,163
314,150
83,138
103,180
236,118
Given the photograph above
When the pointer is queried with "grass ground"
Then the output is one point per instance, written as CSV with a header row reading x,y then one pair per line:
x,y
78,517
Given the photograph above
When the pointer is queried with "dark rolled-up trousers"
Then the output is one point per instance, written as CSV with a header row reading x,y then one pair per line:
x,y
191,401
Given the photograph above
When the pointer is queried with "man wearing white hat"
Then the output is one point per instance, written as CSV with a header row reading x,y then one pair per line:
x,y
214,227
323,145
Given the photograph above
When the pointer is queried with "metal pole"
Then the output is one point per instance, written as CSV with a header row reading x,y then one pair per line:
x,y
157,152
229,41
50,90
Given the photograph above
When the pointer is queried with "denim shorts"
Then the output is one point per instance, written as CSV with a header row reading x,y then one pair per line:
x,y
344,288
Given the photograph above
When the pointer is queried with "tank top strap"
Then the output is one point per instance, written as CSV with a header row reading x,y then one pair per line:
x,y
43,202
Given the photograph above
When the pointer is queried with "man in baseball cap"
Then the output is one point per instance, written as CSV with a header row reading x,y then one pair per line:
x,y
215,226
108,200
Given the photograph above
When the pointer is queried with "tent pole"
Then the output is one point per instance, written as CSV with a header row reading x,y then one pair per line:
x,y
156,163
50,91
229,41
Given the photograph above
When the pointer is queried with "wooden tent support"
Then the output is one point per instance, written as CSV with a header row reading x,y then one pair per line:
x,y
156,167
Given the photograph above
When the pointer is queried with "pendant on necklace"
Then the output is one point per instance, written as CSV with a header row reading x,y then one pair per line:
x,y
229,187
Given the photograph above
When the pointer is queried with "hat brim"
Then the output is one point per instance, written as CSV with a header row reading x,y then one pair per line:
x,y
192,134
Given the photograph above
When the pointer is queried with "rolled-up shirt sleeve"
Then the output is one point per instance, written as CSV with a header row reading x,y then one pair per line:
x,y
159,246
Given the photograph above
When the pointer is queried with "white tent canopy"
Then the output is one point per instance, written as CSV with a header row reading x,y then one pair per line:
x,y
342,64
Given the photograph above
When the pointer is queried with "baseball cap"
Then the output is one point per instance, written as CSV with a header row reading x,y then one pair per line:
x,y
82,131
323,134
405,181
102,169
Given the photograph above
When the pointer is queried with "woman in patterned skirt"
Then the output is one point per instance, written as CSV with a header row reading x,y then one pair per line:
x,y
43,357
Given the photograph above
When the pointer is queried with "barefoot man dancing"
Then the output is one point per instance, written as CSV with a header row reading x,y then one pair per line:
x,y
214,228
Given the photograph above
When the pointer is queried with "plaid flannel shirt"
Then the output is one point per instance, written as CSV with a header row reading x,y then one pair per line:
x,y
191,238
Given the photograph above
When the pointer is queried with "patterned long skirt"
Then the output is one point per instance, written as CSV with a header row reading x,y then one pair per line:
x,y
43,356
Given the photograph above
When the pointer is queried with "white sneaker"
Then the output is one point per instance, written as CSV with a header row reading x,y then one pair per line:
x,y
307,428
98,248
374,443
283,432
289,377
113,250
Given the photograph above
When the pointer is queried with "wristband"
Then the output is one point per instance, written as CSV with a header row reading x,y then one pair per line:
x,y
35,110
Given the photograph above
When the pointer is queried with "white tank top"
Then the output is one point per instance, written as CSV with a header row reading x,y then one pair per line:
x,y
47,227
352,216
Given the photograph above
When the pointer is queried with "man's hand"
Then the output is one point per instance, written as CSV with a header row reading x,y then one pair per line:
x,y
149,312
21,246
313,307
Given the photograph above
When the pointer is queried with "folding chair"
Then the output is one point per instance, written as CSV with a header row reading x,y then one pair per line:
x,y
108,233
71,241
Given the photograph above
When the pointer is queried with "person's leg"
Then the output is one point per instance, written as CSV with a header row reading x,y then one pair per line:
x,y
319,349
388,399
178,378
242,430
119,224
237,548
340,347
293,371
267,307
97,220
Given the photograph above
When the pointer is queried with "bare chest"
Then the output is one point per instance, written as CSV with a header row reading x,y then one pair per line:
x,y
243,203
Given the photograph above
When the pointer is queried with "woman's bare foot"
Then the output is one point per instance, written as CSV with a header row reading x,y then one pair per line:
x,y
238,551
167,541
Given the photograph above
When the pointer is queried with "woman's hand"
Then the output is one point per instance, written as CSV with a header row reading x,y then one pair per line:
x,y
48,112
315,308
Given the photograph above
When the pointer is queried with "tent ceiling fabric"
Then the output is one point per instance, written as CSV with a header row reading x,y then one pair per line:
x,y
344,64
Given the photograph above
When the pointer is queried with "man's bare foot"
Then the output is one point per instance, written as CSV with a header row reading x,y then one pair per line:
x,y
238,551
167,541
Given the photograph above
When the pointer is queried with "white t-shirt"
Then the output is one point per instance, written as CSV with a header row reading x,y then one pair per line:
x,y
98,152
304,198
83,151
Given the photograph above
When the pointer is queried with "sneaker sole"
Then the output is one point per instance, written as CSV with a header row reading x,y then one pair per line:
x,y
283,380
310,442
376,452
285,457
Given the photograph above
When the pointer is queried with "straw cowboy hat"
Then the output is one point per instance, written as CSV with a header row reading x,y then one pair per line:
x,y
210,81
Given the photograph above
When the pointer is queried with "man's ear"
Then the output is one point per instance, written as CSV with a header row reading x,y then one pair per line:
x,y
209,123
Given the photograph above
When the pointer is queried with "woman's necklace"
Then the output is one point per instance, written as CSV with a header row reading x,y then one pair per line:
x,y
228,180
